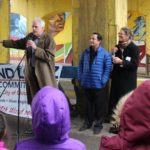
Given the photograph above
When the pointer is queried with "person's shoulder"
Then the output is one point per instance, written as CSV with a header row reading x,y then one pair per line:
x,y
133,45
24,144
76,144
102,49
47,35
86,50
106,52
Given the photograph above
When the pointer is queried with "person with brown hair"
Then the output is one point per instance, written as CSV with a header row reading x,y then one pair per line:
x,y
2,132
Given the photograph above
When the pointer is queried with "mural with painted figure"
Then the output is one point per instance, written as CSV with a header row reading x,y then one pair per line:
x,y
137,24
59,25
18,30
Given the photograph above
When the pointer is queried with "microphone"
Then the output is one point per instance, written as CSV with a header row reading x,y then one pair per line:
x,y
29,51
113,51
113,54
31,37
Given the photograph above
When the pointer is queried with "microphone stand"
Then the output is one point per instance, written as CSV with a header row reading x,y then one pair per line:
x,y
18,118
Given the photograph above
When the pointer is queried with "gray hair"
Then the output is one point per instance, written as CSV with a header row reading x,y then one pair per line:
x,y
41,21
127,31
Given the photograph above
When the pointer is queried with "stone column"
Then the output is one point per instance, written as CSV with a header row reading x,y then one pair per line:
x,y
4,29
103,16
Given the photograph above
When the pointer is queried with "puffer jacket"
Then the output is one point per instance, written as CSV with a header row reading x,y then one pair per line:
x,y
134,131
50,123
97,75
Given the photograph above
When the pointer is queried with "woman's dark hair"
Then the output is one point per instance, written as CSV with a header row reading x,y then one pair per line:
x,y
99,37
127,31
2,126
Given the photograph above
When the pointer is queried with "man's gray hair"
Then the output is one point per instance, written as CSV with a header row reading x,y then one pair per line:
x,y
41,21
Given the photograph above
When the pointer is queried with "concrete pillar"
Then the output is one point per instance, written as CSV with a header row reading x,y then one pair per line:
x,y
4,29
103,16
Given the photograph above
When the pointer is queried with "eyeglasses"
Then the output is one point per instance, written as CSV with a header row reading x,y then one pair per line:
x,y
121,33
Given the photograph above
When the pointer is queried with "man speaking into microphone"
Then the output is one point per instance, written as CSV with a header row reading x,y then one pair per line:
x,y
39,61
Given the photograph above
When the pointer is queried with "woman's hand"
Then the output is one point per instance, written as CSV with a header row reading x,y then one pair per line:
x,y
117,60
114,49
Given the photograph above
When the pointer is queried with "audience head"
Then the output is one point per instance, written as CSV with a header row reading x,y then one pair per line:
x,y
2,126
50,116
133,113
135,122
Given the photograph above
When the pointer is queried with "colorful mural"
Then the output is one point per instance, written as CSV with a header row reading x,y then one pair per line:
x,y
18,29
137,23
59,25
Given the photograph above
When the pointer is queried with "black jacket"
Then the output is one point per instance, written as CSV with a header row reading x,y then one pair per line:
x,y
124,77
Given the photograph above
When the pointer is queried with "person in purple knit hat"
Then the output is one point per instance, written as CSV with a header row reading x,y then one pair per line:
x,y
50,123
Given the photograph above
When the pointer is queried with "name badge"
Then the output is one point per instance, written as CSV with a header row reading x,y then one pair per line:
x,y
128,58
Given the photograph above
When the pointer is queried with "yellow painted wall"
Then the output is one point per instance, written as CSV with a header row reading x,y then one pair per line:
x,y
34,8
142,6
61,37
140,80
29,9
103,16
121,13
4,29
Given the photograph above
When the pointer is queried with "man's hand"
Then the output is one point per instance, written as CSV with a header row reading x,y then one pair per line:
x,y
31,43
1,41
